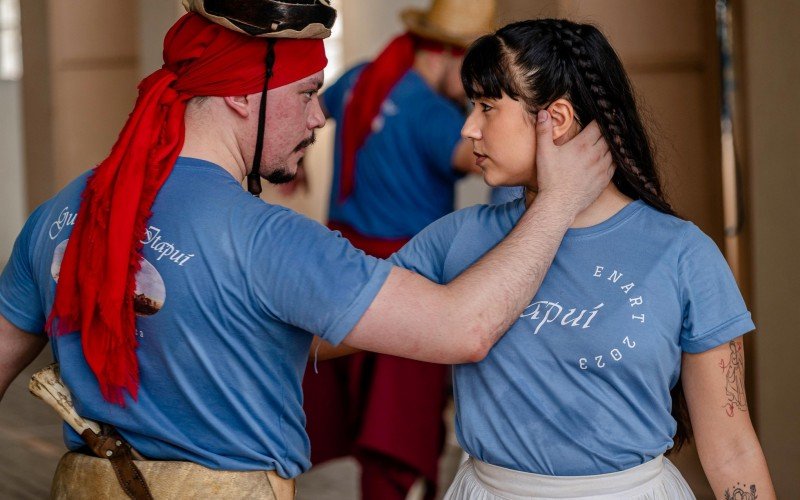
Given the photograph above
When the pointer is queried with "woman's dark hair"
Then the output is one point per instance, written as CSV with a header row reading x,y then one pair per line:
x,y
539,61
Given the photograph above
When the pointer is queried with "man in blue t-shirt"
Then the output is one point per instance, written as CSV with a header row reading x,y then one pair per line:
x,y
227,290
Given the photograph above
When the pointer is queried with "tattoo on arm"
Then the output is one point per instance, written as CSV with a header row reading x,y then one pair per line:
x,y
739,493
734,381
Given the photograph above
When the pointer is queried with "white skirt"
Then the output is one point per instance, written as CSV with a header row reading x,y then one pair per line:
x,y
657,479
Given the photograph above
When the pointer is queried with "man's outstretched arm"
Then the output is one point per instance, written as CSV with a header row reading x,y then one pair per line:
x,y
17,349
459,322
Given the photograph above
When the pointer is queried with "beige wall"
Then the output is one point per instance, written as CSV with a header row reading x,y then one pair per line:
x,y
87,67
370,24
11,167
155,19
772,72
36,103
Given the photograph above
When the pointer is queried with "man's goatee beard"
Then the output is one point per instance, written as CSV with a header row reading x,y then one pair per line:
x,y
280,176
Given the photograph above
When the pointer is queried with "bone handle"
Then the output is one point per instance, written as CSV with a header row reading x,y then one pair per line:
x,y
46,385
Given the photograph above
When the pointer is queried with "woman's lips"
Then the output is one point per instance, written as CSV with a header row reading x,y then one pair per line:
x,y
479,158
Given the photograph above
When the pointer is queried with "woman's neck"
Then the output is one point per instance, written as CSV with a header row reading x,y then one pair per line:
x,y
610,201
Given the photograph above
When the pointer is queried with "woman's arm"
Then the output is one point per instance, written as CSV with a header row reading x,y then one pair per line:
x,y
726,441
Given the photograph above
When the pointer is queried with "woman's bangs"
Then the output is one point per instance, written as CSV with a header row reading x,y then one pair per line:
x,y
483,74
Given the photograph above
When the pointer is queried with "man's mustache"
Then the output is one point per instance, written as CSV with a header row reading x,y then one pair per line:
x,y
306,142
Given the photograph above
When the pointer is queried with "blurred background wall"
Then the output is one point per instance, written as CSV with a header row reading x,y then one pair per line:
x,y
771,72
83,58
12,190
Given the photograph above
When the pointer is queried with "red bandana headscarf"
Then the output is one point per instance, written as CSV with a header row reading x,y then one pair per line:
x,y
373,86
97,278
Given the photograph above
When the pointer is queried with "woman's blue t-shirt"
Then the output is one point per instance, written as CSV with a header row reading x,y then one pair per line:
x,y
580,384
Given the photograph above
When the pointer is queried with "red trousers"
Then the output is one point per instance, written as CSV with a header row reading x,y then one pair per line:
x,y
386,412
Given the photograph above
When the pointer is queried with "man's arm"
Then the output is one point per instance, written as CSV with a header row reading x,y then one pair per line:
x,y
728,447
17,349
322,350
459,322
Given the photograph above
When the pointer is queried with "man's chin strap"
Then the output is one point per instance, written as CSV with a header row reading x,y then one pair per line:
x,y
254,177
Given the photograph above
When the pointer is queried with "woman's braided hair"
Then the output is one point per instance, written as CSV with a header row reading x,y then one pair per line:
x,y
542,60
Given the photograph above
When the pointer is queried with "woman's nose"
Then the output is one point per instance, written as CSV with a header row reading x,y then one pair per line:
x,y
471,130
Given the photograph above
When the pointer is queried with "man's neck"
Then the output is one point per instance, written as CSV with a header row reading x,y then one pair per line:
x,y
610,201
206,142
429,69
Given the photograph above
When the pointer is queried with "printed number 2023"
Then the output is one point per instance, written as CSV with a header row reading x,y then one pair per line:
x,y
615,354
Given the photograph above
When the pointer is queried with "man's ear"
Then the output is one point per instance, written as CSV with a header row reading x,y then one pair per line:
x,y
563,116
239,104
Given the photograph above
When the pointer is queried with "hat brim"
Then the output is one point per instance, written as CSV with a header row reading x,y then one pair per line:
x,y
312,30
414,21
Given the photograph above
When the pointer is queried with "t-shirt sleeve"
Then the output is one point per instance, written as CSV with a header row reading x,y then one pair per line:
x,y
714,311
425,253
439,132
20,301
312,278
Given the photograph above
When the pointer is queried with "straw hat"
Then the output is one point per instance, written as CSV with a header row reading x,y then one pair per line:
x,y
457,22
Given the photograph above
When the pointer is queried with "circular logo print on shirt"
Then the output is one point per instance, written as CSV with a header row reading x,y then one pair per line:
x,y
149,296
150,292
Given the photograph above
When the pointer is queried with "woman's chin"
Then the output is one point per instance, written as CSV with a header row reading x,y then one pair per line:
x,y
495,181
491,180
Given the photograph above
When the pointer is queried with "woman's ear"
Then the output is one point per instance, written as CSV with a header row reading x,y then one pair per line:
x,y
563,116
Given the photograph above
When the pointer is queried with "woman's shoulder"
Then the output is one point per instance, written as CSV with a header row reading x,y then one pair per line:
x,y
690,236
668,221
503,216
476,222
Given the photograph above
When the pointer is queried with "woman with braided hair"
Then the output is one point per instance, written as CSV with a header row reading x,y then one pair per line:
x,y
584,394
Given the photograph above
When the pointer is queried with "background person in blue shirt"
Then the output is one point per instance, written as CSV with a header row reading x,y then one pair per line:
x,y
574,401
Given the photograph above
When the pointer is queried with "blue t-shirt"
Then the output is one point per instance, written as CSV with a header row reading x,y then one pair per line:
x,y
579,385
404,172
503,194
229,290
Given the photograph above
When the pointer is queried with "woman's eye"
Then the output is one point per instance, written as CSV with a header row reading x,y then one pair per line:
x,y
485,107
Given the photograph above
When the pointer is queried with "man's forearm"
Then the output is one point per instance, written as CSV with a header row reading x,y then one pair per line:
x,y
459,322
509,275
322,350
